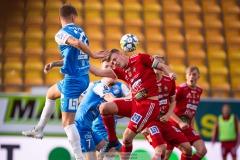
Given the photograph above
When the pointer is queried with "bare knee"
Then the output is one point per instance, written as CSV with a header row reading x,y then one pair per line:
x,y
160,149
102,108
202,151
186,148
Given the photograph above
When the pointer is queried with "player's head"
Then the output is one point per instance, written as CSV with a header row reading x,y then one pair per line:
x,y
67,12
106,64
117,58
226,110
160,58
192,76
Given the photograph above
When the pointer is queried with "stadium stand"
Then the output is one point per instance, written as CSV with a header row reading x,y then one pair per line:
x,y
205,33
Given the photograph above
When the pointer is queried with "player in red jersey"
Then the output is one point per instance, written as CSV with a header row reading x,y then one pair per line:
x,y
143,108
226,129
187,99
170,133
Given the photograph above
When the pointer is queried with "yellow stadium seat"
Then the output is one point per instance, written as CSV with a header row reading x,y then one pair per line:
x,y
34,18
211,6
113,33
213,20
175,51
171,6
96,45
53,5
233,35
230,6
233,51
191,6
14,33
194,35
231,21
34,48
214,36
94,33
172,20
33,78
34,33
174,35
195,51
112,13
192,20
13,47
220,86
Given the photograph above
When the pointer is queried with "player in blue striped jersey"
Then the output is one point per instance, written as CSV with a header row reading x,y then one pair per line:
x,y
98,92
73,45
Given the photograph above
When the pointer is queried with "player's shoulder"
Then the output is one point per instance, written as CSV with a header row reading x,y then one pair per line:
x,y
166,78
182,85
198,88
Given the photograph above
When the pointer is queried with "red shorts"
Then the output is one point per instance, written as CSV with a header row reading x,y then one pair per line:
x,y
171,135
189,133
229,147
141,112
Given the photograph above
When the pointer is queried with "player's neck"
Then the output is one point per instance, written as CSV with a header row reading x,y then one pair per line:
x,y
159,77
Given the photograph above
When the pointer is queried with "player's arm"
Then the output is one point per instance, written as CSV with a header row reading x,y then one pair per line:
x,y
64,38
165,69
50,65
181,124
215,131
102,72
166,117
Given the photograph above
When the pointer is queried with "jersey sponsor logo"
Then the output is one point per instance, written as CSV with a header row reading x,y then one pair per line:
x,y
189,95
83,56
140,94
136,118
164,101
154,130
88,135
191,106
176,129
165,88
189,113
195,133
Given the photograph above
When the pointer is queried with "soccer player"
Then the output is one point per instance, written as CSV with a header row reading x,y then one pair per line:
x,y
170,134
73,44
143,108
187,99
106,89
226,129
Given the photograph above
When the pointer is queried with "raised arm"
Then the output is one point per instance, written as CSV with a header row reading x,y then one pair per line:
x,y
102,72
64,38
166,70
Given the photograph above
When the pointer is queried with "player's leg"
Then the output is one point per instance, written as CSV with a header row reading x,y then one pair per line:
x,y
168,152
72,89
154,136
53,93
119,107
201,149
127,147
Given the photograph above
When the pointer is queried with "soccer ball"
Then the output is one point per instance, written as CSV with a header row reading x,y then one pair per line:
x,y
129,42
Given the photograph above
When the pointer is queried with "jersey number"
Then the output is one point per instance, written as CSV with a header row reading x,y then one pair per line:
x,y
73,103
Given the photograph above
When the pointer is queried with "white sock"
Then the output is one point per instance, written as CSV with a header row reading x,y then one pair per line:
x,y
47,112
74,139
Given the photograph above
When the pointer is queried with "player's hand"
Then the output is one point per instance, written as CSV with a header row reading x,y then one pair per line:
x,y
145,132
101,54
183,125
165,118
173,76
48,67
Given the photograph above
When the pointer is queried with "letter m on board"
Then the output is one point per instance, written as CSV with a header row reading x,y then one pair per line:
x,y
21,110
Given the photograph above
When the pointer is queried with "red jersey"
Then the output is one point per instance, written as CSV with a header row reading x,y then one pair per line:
x,y
166,89
187,101
139,74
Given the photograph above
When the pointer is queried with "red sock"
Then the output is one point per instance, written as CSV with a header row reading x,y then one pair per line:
x,y
196,156
109,124
185,157
126,150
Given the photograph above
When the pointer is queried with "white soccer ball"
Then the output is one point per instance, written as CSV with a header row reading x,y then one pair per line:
x,y
129,42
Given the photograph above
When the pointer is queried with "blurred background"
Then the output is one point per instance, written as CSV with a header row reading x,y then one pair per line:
x,y
204,33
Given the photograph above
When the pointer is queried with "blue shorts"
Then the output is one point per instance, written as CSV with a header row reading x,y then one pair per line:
x,y
71,87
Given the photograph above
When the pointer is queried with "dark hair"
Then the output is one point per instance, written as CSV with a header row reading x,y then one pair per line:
x,y
192,68
111,52
67,10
